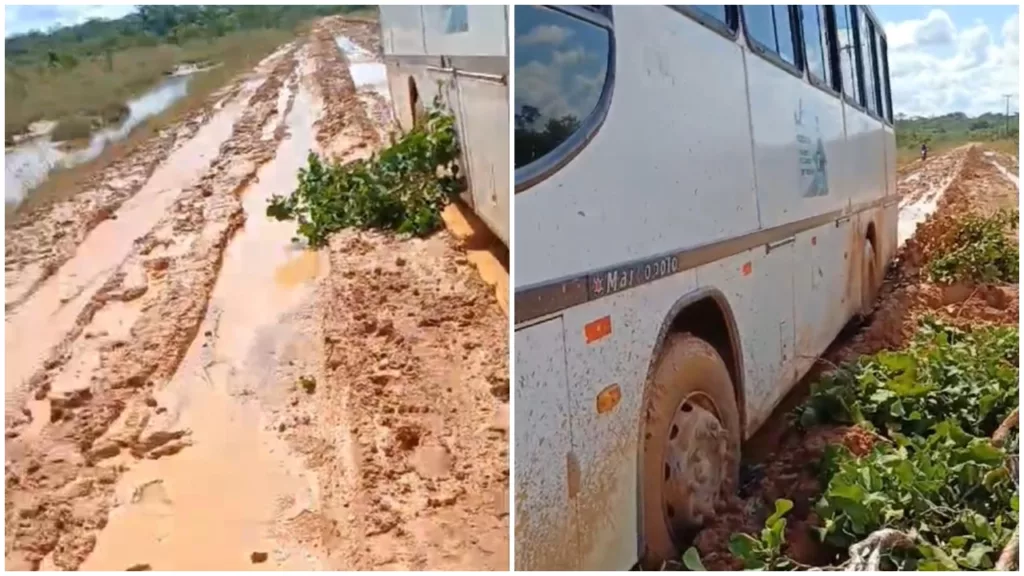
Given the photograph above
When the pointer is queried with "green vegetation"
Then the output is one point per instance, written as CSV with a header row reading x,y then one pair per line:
x,y
939,477
979,249
957,128
403,188
765,552
85,73
946,132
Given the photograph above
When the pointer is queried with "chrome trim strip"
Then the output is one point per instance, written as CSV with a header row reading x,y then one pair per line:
x,y
550,297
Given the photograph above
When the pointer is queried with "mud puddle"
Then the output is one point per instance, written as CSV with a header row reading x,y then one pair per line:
x,y
216,503
28,164
53,309
1011,177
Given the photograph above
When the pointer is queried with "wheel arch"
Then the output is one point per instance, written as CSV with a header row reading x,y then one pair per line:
x,y
705,313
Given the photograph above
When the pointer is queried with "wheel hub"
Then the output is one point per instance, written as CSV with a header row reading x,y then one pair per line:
x,y
694,468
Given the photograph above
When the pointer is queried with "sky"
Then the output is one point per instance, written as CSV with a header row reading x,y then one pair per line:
x,y
942,58
20,19
952,58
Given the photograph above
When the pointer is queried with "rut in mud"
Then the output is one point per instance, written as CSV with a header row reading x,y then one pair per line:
x,y
187,388
967,178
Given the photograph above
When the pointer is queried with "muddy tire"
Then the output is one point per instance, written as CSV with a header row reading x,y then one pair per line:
x,y
869,279
691,397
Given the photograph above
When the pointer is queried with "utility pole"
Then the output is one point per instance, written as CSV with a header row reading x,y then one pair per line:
x,y
1007,123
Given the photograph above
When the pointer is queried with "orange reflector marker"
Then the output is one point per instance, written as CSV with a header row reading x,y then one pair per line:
x,y
598,329
747,269
608,399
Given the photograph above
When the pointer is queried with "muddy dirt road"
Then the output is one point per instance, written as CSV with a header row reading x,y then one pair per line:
x,y
189,389
781,461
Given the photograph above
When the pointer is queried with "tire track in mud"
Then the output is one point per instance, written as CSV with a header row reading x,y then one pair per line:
x,y
409,419
416,369
783,462
347,121
60,476
40,242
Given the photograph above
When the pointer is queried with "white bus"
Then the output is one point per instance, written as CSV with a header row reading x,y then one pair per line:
x,y
461,51
704,196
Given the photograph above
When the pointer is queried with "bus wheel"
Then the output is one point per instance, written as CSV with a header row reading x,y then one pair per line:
x,y
691,445
869,279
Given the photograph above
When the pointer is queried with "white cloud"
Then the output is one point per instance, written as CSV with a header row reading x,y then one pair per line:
x,y
22,19
937,68
544,34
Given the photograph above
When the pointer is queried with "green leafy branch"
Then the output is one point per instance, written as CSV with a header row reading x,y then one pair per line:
x,y
401,189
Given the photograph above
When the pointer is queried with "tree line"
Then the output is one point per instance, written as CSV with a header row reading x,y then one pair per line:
x,y
152,25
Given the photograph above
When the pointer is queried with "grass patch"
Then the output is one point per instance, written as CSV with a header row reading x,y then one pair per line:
x,y
402,189
73,128
1010,147
978,249
98,87
939,477
237,53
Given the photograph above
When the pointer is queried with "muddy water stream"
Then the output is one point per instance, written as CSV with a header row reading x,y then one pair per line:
x,y
28,164
225,497
53,309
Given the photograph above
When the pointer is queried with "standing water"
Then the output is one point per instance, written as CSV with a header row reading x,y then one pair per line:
x,y
367,73
28,164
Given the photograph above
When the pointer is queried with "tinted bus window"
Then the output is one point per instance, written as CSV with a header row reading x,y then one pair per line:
x,y
771,27
847,57
561,68
883,75
716,12
815,43
784,33
867,58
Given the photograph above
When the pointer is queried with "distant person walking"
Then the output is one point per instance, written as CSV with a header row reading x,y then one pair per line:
x,y
924,152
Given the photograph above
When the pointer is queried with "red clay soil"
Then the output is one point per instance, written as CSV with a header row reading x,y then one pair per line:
x,y
789,469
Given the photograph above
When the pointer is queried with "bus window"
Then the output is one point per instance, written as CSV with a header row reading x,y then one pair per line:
x,y
561,69
718,13
847,59
816,43
772,28
867,58
883,75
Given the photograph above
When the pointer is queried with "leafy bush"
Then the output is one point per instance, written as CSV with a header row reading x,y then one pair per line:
x,y
979,249
945,486
402,189
945,373
934,472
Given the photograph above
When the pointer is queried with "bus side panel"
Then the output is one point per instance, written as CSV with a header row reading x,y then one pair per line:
x,y
465,30
400,73
789,120
865,139
483,118
759,286
546,533
820,284
607,443
638,188
402,30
